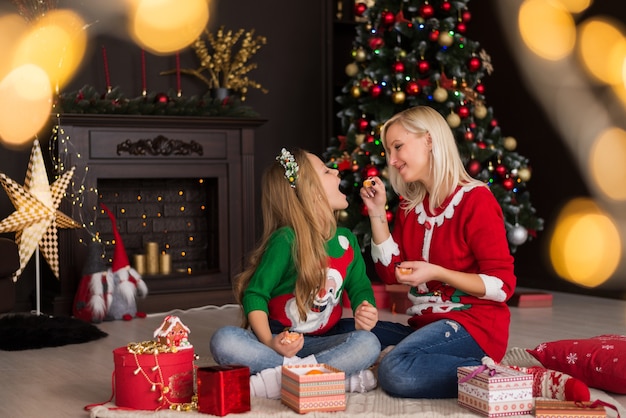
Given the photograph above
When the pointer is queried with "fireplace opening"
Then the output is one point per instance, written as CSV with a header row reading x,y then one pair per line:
x,y
180,215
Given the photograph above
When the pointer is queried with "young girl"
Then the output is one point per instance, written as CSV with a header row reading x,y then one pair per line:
x,y
449,245
292,290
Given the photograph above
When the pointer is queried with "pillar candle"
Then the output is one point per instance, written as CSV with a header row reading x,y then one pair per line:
x,y
139,261
165,263
152,258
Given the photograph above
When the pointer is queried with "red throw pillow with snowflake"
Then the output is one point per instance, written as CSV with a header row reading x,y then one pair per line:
x,y
600,361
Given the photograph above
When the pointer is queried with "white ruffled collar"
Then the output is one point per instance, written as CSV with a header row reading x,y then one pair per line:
x,y
423,218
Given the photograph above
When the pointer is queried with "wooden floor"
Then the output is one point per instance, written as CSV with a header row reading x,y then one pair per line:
x,y
59,382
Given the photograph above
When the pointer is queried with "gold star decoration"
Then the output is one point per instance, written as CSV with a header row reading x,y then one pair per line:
x,y
37,218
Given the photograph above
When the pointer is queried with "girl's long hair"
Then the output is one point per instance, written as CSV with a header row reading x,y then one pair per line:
x,y
446,167
307,211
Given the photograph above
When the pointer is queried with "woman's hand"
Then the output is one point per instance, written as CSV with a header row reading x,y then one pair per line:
x,y
374,196
365,316
286,345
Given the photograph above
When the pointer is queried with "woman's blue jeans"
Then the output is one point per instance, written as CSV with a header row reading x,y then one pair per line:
x,y
424,364
350,352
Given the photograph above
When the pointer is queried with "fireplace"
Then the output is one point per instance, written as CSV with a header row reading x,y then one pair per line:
x,y
184,183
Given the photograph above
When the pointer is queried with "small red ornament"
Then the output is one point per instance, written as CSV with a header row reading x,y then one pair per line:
x,y
398,67
387,18
474,167
466,16
481,145
371,171
461,28
364,211
389,216
375,42
508,184
375,91
480,88
493,123
369,138
469,136
363,124
433,36
412,88
501,170
360,8
161,98
426,11
446,6
474,64
366,84
423,66
463,112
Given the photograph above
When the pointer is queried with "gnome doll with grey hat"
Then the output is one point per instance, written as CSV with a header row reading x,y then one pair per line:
x,y
95,290
127,282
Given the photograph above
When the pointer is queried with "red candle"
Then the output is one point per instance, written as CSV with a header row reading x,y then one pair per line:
x,y
178,74
107,77
143,73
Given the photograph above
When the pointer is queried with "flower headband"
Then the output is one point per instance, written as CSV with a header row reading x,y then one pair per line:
x,y
290,165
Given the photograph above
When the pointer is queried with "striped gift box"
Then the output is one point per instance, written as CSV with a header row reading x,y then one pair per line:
x,y
313,387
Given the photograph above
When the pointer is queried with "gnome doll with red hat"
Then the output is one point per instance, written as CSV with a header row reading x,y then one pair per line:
x,y
127,282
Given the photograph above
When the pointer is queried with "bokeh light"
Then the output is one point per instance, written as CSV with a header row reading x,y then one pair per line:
x,y
12,27
163,26
56,43
602,49
585,246
576,6
607,163
547,28
25,104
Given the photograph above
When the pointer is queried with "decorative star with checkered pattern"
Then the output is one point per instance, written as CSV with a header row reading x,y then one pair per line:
x,y
37,218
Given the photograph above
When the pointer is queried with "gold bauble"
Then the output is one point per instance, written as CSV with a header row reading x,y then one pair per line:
x,y
440,94
480,111
384,173
454,120
355,92
445,39
510,143
343,216
524,174
352,69
360,55
398,97
359,138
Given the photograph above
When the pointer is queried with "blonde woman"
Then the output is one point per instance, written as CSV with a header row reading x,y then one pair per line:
x,y
449,246
291,291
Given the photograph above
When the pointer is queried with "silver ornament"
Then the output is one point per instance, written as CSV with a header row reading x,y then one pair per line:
x,y
517,235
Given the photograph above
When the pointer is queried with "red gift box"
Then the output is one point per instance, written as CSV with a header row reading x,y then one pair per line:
x,y
223,390
152,381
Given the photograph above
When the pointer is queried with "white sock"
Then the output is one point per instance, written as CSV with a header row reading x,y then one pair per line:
x,y
297,360
361,382
266,383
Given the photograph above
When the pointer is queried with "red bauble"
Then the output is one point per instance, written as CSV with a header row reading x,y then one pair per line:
x,y
508,184
446,6
493,123
469,136
364,210
433,36
466,16
481,145
501,170
463,112
387,18
369,138
375,42
371,171
480,88
474,167
423,66
461,28
389,216
474,64
360,8
161,98
366,84
426,11
398,67
375,91
363,124
412,88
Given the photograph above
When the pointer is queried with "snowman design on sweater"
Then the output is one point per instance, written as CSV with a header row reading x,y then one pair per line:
x,y
327,308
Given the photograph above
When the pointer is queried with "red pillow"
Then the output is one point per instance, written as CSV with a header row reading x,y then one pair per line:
x,y
600,361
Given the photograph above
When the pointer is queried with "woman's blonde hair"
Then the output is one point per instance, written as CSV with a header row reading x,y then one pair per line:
x,y
305,209
446,167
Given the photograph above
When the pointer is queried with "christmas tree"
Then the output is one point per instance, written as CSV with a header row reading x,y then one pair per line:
x,y
414,52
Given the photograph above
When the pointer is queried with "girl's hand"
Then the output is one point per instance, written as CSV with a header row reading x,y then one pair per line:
x,y
286,344
365,316
414,273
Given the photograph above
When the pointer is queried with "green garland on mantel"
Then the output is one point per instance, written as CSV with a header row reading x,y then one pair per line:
x,y
88,100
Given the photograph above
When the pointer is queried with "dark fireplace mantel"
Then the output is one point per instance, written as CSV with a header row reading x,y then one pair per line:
x,y
128,147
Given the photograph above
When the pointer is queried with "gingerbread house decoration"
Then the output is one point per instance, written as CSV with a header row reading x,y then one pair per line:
x,y
173,333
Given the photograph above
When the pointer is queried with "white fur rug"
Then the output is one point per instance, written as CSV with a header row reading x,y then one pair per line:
x,y
372,404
